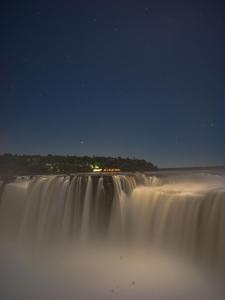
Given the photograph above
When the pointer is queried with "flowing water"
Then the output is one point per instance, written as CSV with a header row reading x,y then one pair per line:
x,y
127,236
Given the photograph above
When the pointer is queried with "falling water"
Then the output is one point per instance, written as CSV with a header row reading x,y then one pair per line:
x,y
86,215
183,214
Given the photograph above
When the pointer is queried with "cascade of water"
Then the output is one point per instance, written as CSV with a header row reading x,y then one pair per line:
x,y
126,183
117,217
152,180
66,220
85,226
100,195
12,205
189,221
186,215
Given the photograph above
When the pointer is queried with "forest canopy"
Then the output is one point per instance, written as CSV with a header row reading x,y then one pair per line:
x,y
51,164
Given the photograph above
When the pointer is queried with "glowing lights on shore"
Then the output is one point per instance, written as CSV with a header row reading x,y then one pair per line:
x,y
105,170
96,168
111,170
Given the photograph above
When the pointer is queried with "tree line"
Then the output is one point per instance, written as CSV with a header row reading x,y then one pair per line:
x,y
51,164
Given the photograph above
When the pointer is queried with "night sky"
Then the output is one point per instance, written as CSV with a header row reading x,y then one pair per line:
x,y
142,79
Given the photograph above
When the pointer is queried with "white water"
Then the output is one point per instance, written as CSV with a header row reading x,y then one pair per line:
x,y
129,234
186,213
86,215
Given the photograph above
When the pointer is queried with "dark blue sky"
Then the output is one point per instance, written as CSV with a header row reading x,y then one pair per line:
x,y
143,79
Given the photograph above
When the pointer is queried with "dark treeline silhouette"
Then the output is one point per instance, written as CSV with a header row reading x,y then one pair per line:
x,y
51,164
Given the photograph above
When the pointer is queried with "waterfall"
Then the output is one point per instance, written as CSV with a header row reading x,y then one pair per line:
x,y
12,205
98,213
186,214
85,226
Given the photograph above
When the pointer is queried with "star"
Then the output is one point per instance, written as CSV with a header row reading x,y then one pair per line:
x,y
148,10
68,59
212,124
26,60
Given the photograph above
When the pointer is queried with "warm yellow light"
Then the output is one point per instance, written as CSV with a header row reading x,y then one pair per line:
x,y
111,170
97,170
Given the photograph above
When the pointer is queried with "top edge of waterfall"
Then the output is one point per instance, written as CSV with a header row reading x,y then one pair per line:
x,y
8,178
78,174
